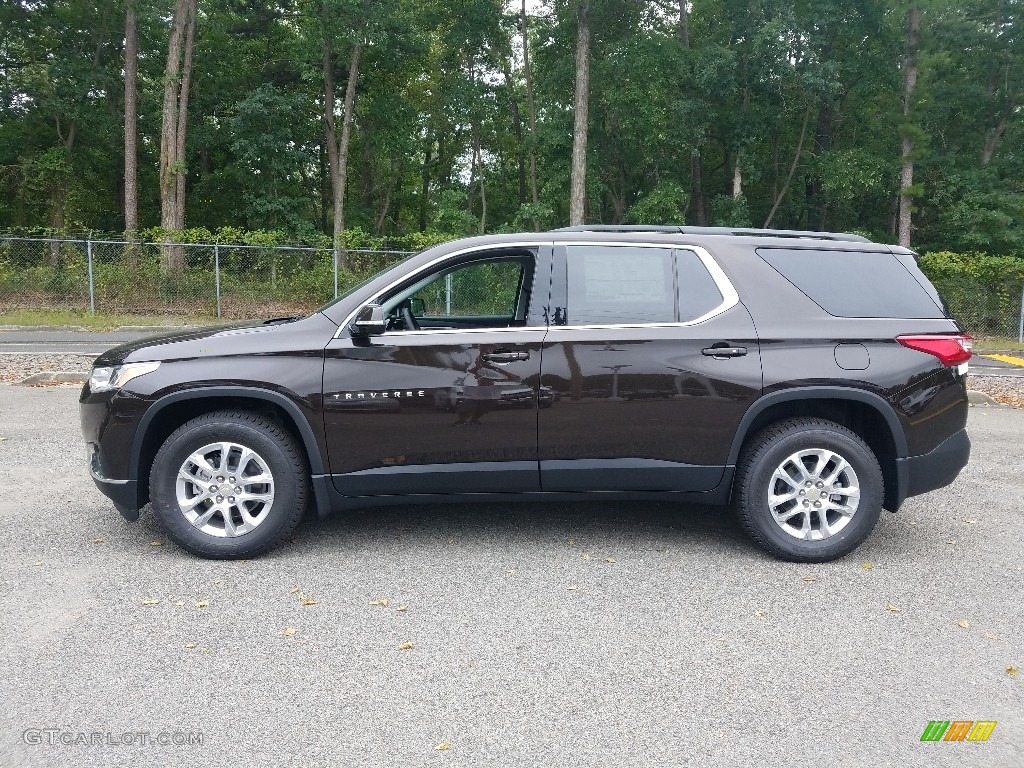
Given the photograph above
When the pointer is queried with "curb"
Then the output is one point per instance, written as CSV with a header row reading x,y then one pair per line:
x,y
54,377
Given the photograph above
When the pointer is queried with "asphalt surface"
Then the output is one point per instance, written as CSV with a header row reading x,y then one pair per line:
x,y
61,342
692,648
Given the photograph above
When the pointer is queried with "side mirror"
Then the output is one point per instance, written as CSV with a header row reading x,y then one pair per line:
x,y
369,321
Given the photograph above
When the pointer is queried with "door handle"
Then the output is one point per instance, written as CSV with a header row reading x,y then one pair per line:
x,y
724,351
504,356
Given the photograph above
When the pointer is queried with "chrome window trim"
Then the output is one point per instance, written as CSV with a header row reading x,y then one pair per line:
x,y
730,298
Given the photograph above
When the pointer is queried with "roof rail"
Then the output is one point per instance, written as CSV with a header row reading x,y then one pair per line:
x,y
677,229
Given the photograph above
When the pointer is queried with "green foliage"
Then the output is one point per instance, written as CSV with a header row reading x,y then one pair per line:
x,y
730,211
440,76
983,291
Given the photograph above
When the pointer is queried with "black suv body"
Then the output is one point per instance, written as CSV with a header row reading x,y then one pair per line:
x,y
807,379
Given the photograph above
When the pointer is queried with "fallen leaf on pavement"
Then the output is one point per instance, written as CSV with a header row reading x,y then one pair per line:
x,y
571,588
809,579
190,645
610,560
157,543
585,556
202,604
37,563
866,566
290,631
405,647
383,601
180,603
893,608
760,614
309,601
293,590
964,623
402,608
951,541
150,601
98,540
443,746
1011,671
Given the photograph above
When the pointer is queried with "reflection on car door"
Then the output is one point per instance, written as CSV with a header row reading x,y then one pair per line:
x,y
438,410
642,405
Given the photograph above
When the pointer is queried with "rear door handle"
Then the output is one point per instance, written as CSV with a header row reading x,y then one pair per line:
x,y
724,351
504,356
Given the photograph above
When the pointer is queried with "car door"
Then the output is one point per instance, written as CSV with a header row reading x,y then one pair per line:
x,y
445,400
653,362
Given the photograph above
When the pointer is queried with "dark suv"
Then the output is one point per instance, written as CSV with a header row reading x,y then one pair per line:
x,y
807,379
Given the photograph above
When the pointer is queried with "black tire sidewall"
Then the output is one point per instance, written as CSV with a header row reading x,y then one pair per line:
x,y
289,498
869,476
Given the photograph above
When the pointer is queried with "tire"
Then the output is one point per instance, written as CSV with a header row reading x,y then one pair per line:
x,y
780,460
224,519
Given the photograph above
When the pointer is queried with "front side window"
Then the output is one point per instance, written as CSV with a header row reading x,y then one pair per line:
x,y
479,289
476,293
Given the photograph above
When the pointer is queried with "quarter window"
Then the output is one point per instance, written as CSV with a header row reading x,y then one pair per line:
x,y
854,283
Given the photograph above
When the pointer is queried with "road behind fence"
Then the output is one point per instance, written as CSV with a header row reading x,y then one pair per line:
x,y
172,280
235,282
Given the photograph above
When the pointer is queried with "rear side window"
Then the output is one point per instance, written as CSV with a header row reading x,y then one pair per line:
x,y
613,284
854,283
620,284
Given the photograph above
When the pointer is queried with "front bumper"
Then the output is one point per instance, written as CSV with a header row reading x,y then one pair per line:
x,y
124,493
936,469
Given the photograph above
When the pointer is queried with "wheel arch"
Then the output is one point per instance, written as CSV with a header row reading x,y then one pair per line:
x,y
865,413
171,411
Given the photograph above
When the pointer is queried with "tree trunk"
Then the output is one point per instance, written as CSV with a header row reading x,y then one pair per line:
x,y
169,133
578,184
992,138
700,201
131,129
532,111
792,169
425,184
337,149
186,82
907,167
517,127
478,168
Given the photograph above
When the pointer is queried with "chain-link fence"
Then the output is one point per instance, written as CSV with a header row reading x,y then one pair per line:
x,y
233,282
173,280
985,309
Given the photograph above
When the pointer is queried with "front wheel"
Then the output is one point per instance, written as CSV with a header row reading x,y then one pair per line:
x,y
808,490
229,484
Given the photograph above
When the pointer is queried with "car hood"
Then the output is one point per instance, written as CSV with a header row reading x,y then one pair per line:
x,y
170,346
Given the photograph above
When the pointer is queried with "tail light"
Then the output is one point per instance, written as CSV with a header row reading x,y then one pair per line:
x,y
951,350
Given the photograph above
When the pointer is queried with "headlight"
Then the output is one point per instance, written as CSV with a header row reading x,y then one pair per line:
x,y
104,379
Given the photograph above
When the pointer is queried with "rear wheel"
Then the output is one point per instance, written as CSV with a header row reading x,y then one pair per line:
x,y
229,484
808,490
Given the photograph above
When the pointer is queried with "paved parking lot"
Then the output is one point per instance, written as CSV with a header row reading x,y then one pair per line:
x,y
542,635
